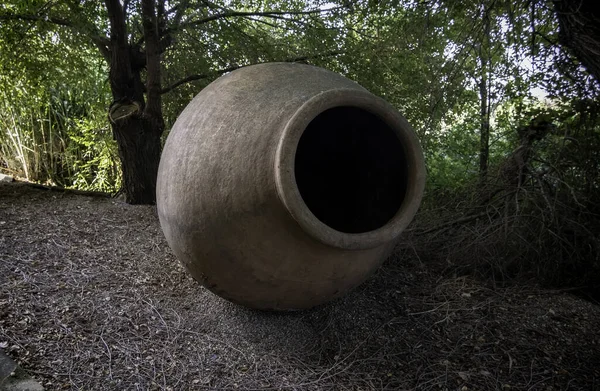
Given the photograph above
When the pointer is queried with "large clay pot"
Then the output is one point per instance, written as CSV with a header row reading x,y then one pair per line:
x,y
282,186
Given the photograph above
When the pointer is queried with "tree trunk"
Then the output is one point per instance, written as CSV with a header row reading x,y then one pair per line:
x,y
579,22
484,139
139,150
137,126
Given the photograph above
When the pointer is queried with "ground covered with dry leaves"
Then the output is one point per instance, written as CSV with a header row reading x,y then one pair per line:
x,y
91,298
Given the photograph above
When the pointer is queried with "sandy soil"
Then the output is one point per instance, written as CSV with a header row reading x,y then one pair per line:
x,y
91,298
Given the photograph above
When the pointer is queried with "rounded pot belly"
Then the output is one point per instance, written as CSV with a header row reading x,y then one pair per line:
x,y
282,186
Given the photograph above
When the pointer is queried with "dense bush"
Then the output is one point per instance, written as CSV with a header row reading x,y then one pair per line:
x,y
57,137
545,226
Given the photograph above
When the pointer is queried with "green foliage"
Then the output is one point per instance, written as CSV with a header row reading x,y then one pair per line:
x,y
547,227
96,165
428,59
205,50
453,161
53,126
59,138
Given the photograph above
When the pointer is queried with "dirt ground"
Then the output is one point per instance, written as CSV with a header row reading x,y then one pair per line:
x,y
91,298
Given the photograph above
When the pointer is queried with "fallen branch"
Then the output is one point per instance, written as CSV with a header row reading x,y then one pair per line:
x,y
65,190
234,67
448,224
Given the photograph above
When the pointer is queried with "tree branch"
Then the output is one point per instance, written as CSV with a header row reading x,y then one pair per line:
x,y
546,38
234,67
37,18
268,14
102,46
199,77
451,223
164,32
122,78
100,41
151,32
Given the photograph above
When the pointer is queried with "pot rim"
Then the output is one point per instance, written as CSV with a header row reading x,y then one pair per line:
x,y
287,187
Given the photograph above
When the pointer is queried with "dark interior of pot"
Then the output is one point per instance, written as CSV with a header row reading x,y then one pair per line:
x,y
351,170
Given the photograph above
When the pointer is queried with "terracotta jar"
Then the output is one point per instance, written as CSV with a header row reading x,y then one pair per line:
x,y
282,186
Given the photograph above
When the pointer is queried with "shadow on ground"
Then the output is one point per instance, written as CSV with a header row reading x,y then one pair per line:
x,y
91,298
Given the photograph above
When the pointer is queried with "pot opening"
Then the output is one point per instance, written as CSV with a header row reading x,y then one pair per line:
x,y
351,170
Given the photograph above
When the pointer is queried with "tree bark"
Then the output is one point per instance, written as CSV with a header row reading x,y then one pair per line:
x,y
137,125
579,22
484,139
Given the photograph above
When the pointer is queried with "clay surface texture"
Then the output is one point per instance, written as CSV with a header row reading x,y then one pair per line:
x,y
283,186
